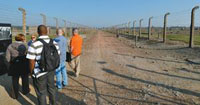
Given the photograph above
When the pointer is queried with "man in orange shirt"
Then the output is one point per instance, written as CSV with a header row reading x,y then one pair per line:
x,y
76,47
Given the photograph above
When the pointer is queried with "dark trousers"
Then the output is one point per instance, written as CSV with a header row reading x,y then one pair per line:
x,y
25,84
43,85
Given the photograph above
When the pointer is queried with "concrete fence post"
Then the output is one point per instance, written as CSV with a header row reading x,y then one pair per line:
x,y
129,28
192,26
140,30
70,29
23,19
165,27
149,30
56,19
65,26
44,19
134,22
125,27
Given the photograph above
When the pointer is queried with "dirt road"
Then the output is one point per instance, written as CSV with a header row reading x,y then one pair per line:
x,y
114,73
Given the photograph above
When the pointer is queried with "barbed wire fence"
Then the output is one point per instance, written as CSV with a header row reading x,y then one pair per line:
x,y
182,26
26,22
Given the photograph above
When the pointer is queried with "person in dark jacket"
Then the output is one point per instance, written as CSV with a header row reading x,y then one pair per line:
x,y
18,66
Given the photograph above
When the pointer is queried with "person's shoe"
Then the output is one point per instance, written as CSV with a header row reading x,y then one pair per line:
x,y
59,89
76,75
25,93
14,96
64,85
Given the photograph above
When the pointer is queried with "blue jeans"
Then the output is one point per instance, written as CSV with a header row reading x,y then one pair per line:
x,y
61,75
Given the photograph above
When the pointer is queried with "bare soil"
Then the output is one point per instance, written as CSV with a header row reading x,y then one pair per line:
x,y
115,72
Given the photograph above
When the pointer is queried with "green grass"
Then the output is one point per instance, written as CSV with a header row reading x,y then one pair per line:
x,y
184,38
173,37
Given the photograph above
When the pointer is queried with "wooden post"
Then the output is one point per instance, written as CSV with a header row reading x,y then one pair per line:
x,y
165,27
192,26
149,31
23,20
140,31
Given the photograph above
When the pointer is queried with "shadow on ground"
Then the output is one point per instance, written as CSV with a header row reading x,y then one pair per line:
x,y
61,98
106,97
183,91
164,74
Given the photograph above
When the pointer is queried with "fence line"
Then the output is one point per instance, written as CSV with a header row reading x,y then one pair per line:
x,y
26,22
179,26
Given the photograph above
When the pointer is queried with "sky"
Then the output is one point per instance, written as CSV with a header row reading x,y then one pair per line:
x,y
102,13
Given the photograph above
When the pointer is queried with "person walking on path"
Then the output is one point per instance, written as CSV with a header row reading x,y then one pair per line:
x,y
61,71
43,81
18,65
76,47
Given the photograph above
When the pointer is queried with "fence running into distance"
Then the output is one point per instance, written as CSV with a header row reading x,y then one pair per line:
x,y
26,22
179,26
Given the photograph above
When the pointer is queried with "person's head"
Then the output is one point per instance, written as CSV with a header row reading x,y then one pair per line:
x,y
59,32
20,37
33,37
42,30
75,31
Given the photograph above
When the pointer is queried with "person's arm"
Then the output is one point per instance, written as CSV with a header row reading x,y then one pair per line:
x,y
57,47
8,54
31,65
31,55
8,58
71,45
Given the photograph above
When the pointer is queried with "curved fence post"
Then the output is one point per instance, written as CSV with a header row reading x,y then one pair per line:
x,y
149,31
23,19
140,30
192,26
165,27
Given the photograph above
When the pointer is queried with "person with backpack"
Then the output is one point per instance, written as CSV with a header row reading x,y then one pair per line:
x,y
61,71
18,65
44,59
76,47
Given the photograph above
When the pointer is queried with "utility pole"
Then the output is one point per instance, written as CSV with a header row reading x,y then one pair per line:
x,y
165,27
140,31
23,19
192,26
44,19
149,31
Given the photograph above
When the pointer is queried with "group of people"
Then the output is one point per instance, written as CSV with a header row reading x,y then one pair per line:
x,y
25,60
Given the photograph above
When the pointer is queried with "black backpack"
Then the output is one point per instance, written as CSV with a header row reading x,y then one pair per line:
x,y
19,66
50,59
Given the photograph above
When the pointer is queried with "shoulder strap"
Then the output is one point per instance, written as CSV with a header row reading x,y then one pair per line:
x,y
51,41
42,41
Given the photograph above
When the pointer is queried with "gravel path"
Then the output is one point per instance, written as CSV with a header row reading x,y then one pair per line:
x,y
116,73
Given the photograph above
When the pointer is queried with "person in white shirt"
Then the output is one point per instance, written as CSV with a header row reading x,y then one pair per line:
x,y
43,81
